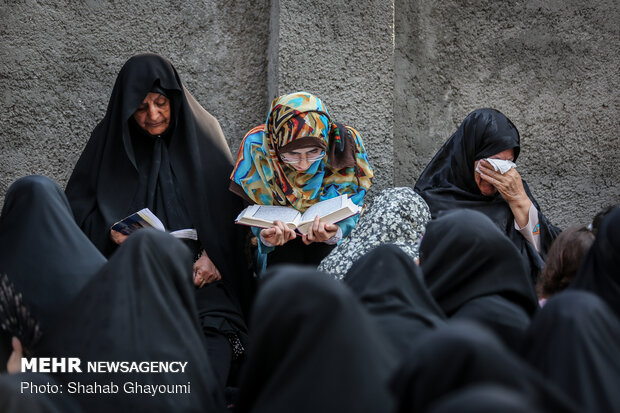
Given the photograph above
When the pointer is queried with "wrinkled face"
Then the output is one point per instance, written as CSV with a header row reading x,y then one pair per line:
x,y
486,188
301,159
153,114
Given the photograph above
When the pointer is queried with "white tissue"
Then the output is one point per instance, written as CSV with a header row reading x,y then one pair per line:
x,y
500,165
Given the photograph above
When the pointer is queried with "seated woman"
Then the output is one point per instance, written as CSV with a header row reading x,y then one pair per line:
x,y
574,341
459,176
156,147
45,257
461,355
474,272
563,260
298,158
397,216
323,354
599,271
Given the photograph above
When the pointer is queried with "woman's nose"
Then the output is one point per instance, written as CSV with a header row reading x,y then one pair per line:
x,y
304,164
152,112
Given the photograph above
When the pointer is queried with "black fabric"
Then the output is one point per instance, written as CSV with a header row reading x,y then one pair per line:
x,y
486,398
139,307
182,175
391,287
42,251
600,270
507,320
29,400
465,257
574,341
314,348
448,182
296,252
462,354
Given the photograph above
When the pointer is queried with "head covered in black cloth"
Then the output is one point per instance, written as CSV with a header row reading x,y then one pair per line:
x,y
181,175
139,307
448,181
600,270
391,287
574,341
467,262
314,348
44,257
486,398
449,177
463,354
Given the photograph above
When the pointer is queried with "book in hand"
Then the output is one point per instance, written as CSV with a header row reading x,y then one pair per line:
x,y
331,211
144,218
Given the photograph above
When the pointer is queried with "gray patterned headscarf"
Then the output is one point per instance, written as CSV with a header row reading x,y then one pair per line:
x,y
397,216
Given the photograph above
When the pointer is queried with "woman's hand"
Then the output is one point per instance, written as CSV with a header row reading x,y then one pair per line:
x,y
205,271
319,232
117,237
510,187
279,234
14,364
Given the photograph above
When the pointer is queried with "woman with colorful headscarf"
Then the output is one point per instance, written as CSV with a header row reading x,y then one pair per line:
x,y
299,157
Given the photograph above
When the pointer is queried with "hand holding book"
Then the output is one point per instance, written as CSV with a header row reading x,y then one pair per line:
x,y
117,237
320,231
278,234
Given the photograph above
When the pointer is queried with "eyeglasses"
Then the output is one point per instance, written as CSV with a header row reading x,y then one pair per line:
x,y
292,157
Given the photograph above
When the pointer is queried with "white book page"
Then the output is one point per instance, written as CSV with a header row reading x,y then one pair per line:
x,y
151,218
324,207
188,233
272,213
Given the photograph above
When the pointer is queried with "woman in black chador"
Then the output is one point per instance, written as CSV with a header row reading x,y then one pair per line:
x,y
463,174
474,272
599,272
44,257
315,348
574,341
157,147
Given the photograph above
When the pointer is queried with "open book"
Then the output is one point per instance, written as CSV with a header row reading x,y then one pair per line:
x,y
144,218
331,211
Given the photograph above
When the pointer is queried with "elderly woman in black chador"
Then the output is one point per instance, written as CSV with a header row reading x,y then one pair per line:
x,y
475,169
157,147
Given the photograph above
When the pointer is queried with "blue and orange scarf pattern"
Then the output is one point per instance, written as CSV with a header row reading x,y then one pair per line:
x,y
267,180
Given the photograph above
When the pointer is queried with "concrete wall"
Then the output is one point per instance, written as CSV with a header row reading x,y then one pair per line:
x,y
342,54
59,61
550,66
404,73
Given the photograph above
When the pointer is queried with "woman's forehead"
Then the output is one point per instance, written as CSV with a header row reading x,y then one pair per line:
x,y
508,154
151,96
308,149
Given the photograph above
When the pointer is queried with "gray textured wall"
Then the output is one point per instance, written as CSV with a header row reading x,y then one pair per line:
x,y
341,51
550,66
404,73
59,60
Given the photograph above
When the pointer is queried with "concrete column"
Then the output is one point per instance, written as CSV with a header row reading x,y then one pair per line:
x,y
341,51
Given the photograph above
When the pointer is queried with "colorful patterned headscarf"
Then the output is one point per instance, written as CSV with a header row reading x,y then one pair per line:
x,y
295,121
